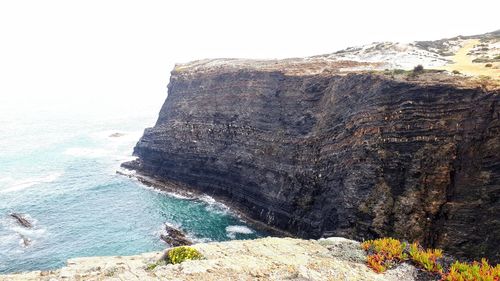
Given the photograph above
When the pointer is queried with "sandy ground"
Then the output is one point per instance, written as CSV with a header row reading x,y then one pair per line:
x,y
464,64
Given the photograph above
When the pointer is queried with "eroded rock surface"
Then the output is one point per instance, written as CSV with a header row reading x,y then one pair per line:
x,y
174,237
261,259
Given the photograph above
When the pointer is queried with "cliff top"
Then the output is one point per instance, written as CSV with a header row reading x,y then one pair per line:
x,y
476,56
292,66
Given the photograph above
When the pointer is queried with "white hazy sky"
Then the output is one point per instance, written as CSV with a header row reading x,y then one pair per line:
x,y
119,54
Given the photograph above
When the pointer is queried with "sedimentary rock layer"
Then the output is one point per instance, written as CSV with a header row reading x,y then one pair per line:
x,y
325,153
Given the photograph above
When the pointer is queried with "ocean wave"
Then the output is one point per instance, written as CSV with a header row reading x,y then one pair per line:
x,y
215,206
232,230
29,182
200,239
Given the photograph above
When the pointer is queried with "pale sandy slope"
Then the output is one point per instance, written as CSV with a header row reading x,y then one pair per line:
x,y
463,62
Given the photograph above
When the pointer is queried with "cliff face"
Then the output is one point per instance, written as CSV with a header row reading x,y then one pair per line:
x,y
325,153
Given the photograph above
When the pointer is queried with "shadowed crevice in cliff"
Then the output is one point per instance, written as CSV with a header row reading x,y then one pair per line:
x,y
356,155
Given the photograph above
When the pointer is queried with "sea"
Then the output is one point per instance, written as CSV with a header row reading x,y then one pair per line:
x,y
58,168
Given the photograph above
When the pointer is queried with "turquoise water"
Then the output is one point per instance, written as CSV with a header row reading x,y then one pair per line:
x,y
59,168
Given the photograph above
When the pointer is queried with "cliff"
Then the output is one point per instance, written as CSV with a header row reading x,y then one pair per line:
x,y
262,259
322,147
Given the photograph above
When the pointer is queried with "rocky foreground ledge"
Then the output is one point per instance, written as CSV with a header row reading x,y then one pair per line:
x,y
260,259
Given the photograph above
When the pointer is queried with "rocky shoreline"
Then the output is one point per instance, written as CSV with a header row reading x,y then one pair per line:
x,y
190,193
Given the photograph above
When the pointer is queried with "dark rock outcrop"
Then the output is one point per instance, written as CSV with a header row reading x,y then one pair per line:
x,y
324,153
175,237
116,135
22,220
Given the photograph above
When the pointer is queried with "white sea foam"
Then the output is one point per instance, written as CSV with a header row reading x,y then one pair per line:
x,y
214,206
173,225
132,175
189,235
208,199
29,182
86,152
233,229
126,172
175,195
163,230
17,234
8,239
29,232
6,179
171,194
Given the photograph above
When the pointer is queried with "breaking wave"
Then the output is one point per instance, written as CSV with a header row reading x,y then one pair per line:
x,y
232,230
215,206
29,182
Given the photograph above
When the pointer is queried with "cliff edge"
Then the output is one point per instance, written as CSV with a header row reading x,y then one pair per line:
x,y
261,259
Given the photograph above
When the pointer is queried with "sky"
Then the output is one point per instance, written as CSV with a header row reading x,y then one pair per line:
x,y
95,56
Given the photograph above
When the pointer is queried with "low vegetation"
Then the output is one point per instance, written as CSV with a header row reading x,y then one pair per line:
x,y
482,59
152,266
176,255
179,254
427,259
416,71
385,253
482,271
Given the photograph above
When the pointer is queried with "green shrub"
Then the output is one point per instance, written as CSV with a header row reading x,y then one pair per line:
x,y
399,71
488,65
418,69
151,266
455,72
179,254
482,59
